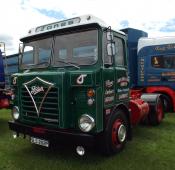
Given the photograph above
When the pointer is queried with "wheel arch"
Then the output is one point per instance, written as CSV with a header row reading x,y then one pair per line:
x,y
119,114
127,113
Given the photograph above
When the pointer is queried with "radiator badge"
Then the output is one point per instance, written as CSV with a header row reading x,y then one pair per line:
x,y
36,86
36,89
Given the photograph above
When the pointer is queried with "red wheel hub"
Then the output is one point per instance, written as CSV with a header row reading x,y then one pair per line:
x,y
118,133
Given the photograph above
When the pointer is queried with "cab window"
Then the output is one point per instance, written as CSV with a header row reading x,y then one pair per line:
x,y
167,62
119,54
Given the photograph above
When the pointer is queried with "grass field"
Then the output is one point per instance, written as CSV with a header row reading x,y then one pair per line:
x,y
152,148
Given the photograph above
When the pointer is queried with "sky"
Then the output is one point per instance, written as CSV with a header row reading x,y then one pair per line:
x,y
18,16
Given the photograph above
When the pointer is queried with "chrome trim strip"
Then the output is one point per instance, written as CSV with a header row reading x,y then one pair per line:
x,y
44,98
51,120
32,99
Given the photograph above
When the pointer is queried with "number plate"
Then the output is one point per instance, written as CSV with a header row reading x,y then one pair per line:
x,y
41,142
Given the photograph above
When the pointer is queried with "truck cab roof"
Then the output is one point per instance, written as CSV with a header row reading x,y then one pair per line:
x,y
145,41
69,23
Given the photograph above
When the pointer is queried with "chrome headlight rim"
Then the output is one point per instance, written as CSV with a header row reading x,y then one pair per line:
x,y
15,112
86,123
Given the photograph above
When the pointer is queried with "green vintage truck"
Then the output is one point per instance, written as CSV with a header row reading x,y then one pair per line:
x,y
73,87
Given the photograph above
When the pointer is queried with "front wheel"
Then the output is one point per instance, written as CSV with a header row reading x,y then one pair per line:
x,y
115,135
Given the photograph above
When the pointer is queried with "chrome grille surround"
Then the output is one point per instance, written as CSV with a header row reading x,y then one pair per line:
x,y
42,106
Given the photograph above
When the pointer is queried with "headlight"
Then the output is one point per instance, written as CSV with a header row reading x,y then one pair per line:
x,y
86,123
12,96
15,113
90,102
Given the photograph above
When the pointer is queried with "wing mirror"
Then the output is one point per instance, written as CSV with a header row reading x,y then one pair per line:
x,y
2,47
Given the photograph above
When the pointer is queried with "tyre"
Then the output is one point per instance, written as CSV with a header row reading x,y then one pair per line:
x,y
156,113
115,135
167,104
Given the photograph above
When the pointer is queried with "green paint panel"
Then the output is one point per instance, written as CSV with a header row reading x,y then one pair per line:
x,y
64,103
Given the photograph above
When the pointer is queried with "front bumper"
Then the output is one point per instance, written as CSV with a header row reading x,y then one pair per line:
x,y
54,136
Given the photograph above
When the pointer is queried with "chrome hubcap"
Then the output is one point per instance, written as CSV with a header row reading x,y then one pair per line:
x,y
121,133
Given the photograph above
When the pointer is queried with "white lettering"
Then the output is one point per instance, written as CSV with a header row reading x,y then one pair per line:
x,y
122,90
109,92
109,99
36,89
109,83
57,25
123,96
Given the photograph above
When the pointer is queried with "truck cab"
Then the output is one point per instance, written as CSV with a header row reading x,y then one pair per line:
x,y
73,87
156,63
72,78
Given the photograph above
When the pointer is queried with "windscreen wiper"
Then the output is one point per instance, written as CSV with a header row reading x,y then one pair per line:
x,y
41,63
69,63
44,62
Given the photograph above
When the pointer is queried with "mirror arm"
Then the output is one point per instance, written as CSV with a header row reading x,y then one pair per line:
x,y
20,54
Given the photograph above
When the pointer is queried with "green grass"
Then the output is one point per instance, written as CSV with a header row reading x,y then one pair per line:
x,y
152,148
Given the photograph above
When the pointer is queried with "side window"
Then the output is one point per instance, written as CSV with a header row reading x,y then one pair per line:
x,y
169,62
157,61
106,58
28,57
120,55
163,62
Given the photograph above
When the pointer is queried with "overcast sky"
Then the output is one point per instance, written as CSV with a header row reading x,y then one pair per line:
x,y
157,17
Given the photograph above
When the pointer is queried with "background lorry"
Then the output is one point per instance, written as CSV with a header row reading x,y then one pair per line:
x,y
73,87
159,68
10,62
5,95
152,65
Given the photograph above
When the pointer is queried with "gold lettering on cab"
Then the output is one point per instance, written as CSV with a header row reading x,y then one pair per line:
x,y
165,47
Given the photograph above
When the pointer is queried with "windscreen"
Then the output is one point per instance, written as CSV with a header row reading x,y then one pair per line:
x,y
37,53
72,49
77,48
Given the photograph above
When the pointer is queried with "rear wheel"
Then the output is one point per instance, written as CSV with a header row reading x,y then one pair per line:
x,y
115,135
156,113
167,104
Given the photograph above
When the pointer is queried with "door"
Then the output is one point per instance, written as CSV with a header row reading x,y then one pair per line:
x,y
115,73
121,71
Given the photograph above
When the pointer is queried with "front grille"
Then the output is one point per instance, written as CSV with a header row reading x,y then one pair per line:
x,y
49,112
